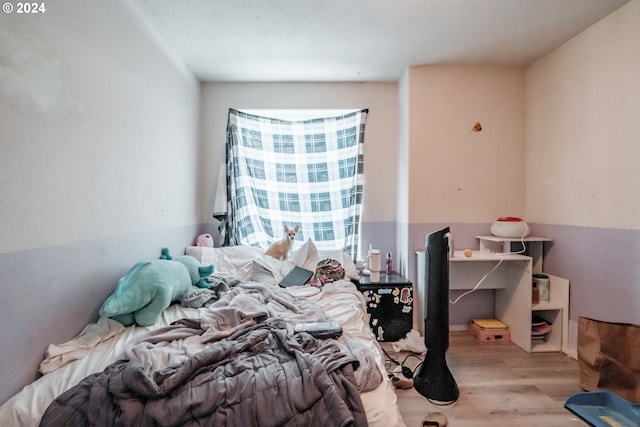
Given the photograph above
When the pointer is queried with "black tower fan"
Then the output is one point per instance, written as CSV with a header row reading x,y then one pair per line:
x,y
435,381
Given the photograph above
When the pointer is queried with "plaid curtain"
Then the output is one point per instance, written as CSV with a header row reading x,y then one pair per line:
x,y
307,173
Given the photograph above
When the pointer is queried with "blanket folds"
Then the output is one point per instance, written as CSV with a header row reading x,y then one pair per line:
x,y
260,376
237,364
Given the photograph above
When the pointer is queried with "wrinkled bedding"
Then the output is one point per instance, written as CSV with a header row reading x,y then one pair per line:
x,y
240,306
173,343
261,375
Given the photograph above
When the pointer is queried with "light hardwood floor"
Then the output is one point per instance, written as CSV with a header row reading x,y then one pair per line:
x,y
500,385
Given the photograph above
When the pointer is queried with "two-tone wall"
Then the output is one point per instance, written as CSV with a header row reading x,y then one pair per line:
x,y
110,150
583,165
457,177
99,142
559,147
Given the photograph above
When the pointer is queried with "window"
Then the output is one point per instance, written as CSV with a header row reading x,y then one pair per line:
x,y
305,171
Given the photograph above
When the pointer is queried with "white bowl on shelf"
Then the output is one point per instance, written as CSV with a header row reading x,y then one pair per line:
x,y
514,228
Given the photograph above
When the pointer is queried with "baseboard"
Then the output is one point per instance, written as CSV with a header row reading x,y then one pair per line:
x,y
572,353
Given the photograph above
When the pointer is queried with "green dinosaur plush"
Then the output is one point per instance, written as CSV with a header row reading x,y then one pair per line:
x,y
151,286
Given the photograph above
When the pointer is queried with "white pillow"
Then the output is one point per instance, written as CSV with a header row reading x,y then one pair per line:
x,y
267,269
250,263
307,256
350,269
228,261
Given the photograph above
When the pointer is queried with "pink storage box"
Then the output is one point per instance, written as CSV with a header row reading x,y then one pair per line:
x,y
489,335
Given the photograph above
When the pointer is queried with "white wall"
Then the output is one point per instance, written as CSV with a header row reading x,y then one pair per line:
x,y
381,129
583,127
455,174
99,142
401,262
99,127
457,177
583,160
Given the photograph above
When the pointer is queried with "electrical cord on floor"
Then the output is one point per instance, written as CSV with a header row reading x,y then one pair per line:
x,y
408,375
390,359
413,371
406,371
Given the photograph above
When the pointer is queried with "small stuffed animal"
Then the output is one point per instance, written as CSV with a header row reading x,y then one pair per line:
x,y
151,286
205,240
281,248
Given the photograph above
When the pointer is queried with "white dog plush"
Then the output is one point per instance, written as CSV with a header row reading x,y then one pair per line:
x,y
281,248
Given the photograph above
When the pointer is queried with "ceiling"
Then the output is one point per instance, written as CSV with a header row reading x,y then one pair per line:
x,y
361,40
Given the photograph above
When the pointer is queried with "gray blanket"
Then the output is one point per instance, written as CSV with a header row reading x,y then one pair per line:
x,y
238,365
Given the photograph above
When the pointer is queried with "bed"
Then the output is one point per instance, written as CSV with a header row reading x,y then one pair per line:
x,y
222,356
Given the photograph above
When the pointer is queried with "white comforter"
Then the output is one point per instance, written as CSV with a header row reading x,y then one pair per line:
x,y
106,341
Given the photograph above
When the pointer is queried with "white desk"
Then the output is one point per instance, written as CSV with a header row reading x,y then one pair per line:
x,y
512,280
534,245
466,272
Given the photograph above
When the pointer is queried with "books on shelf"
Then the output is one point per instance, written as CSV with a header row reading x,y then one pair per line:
x,y
490,324
491,330
540,327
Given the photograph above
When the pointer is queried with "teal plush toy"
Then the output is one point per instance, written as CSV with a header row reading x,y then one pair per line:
x,y
151,286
